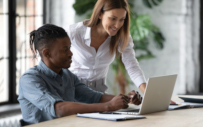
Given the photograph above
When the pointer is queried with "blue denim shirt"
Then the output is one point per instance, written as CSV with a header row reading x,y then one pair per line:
x,y
40,88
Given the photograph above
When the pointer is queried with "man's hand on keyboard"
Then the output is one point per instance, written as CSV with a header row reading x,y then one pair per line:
x,y
134,98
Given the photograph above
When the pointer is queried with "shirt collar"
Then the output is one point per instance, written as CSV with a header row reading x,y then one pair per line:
x,y
88,36
47,71
88,33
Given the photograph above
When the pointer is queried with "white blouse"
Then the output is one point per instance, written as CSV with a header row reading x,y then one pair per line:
x,y
91,65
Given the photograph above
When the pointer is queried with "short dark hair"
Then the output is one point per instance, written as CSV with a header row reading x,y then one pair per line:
x,y
44,36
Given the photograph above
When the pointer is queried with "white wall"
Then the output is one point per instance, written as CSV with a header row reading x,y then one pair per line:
x,y
60,12
179,23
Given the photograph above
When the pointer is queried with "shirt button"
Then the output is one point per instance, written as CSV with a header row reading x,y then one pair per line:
x,y
60,84
43,92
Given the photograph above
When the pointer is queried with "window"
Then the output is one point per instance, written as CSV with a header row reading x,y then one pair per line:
x,y
18,18
29,17
3,52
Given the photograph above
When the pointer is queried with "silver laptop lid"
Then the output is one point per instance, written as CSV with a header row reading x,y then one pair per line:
x,y
158,94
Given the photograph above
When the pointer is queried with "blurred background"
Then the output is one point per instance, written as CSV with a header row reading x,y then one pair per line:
x,y
166,34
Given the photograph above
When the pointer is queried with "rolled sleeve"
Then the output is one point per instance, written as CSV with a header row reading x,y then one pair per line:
x,y
34,90
132,65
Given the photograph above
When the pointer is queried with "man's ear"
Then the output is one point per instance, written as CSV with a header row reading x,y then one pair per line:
x,y
46,53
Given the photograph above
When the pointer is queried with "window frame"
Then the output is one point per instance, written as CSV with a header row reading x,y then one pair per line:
x,y
12,15
201,48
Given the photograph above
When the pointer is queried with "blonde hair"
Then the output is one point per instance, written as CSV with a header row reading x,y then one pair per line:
x,y
123,34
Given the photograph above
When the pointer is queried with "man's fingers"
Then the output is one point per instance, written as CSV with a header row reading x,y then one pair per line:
x,y
137,99
131,93
125,106
125,98
125,102
140,100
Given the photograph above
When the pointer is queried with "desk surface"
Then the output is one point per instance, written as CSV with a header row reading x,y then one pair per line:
x,y
176,118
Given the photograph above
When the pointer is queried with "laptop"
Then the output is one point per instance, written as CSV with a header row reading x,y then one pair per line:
x,y
156,98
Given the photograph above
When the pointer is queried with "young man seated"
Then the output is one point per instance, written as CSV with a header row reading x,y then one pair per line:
x,y
49,90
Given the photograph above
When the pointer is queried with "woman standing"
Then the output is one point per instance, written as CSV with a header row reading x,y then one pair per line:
x,y
96,41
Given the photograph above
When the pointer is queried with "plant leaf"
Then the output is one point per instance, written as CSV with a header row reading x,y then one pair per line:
x,y
82,6
147,3
147,56
140,27
151,3
154,2
159,40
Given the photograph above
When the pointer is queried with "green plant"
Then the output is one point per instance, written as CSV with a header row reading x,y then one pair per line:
x,y
142,31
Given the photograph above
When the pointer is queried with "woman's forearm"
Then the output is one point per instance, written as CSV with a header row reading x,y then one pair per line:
x,y
142,87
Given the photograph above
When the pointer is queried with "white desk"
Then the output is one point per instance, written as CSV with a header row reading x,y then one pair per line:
x,y
176,118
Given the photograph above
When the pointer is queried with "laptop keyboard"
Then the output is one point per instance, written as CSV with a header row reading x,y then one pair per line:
x,y
126,113
130,112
